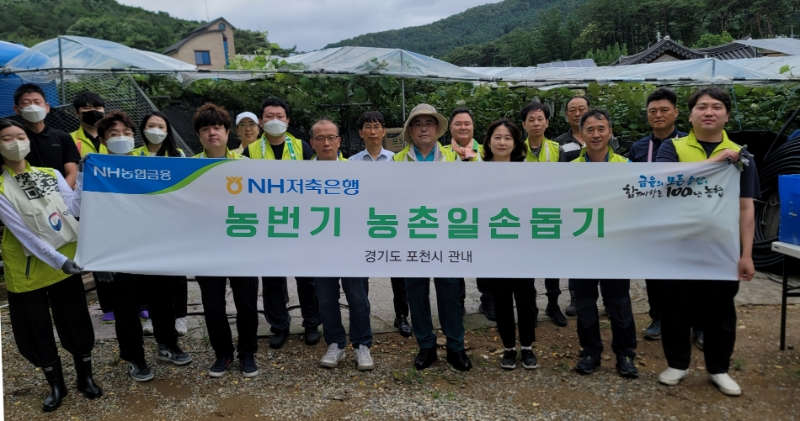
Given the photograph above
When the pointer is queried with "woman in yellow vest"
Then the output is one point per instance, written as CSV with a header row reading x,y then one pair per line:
x,y
158,138
504,143
38,209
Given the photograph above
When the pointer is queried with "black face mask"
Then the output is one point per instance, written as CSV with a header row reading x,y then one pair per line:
x,y
91,117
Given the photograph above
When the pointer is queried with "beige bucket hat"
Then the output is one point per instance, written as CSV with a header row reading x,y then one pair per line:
x,y
425,109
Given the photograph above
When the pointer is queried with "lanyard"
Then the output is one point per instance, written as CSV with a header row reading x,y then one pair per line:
x,y
228,154
650,151
547,151
289,145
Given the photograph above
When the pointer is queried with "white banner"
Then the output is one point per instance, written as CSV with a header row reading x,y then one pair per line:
x,y
218,217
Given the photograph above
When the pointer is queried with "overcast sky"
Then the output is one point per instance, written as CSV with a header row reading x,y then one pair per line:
x,y
312,24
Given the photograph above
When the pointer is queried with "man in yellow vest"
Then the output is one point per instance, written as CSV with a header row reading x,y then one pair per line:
x,y
596,132
89,108
535,120
713,301
277,143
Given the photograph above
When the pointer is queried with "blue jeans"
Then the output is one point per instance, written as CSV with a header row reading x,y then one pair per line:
x,y
356,291
451,315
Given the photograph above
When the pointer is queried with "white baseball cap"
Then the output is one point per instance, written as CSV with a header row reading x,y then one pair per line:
x,y
244,115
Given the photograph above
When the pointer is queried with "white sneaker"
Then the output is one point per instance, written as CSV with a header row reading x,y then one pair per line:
x,y
364,359
672,376
726,384
332,357
181,327
148,327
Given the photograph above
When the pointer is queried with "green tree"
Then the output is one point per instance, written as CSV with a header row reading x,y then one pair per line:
x,y
711,40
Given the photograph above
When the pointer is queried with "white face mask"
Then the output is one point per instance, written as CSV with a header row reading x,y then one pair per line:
x,y
120,145
16,150
275,127
33,113
155,136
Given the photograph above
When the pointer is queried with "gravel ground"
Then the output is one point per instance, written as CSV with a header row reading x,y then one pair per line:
x,y
291,386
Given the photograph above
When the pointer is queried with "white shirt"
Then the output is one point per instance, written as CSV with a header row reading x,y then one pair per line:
x,y
38,247
364,155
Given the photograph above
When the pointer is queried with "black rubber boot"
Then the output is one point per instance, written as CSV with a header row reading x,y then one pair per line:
x,y
58,390
83,373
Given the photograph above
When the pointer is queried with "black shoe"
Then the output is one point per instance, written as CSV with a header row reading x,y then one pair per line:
x,y
425,358
653,331
83,375
58,390
698,339
459,360
311,337
555,314
587,364
509,360
248,367
529,359
401,323
487,310
626,368
220,367
571,310
278,339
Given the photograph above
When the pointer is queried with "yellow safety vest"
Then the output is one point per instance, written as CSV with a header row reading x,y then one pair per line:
x,y
292,150
547,153
612,157
690,150
476,147
28,273
84,145
340,158
229,154
143,151
447,154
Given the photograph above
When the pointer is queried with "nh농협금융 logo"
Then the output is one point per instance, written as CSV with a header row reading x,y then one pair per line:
x,y
55,221
234,184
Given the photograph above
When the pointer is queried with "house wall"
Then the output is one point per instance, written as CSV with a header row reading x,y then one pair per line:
x,y
665,57
211,42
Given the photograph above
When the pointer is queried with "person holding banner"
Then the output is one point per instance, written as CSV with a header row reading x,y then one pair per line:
x,y
212,124
372,129
711,301
277,143
421,131
535,120
325,141
596,131
504,144
116,131
38,208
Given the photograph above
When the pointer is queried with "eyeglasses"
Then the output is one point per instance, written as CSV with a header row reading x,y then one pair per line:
x,y
247,126
428,125
115,133
324,138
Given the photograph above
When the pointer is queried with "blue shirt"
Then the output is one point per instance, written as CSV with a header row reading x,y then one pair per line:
x,y
589,160
428,158
364,155
640,148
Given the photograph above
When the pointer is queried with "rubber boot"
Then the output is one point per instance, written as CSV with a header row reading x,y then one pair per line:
x,y
58,390
83,374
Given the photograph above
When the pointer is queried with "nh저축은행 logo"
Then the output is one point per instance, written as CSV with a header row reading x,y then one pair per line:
x,y
55,221
234,184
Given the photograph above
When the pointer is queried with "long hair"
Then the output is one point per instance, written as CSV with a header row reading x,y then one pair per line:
x,y
168,147
519,151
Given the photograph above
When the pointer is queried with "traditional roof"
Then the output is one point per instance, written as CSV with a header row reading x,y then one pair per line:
x,y
729,51
204,29
788,46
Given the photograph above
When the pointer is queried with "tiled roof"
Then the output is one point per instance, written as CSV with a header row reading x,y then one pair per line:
x,y
729,51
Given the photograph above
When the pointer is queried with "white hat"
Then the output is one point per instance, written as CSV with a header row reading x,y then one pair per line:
x,y
244,115
425,109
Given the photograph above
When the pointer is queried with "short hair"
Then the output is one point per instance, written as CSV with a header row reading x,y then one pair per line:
x,y
663,93
462,110
273,102
211,115
323,120
519,151
715,93
110,119
588,103
27,88
534,106
370,117
87,98
7,122
598,114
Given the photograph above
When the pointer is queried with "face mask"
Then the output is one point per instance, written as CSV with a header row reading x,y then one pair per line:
x,y
33,113
91,117
275,127
120,145
16,150
155,136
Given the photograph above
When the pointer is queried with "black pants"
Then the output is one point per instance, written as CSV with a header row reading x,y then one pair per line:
x,y
657,295
617,300
245,297
159,295
553,289
104,295
181,297
399,297
506,292
33,327
275,295
711,305
486,288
